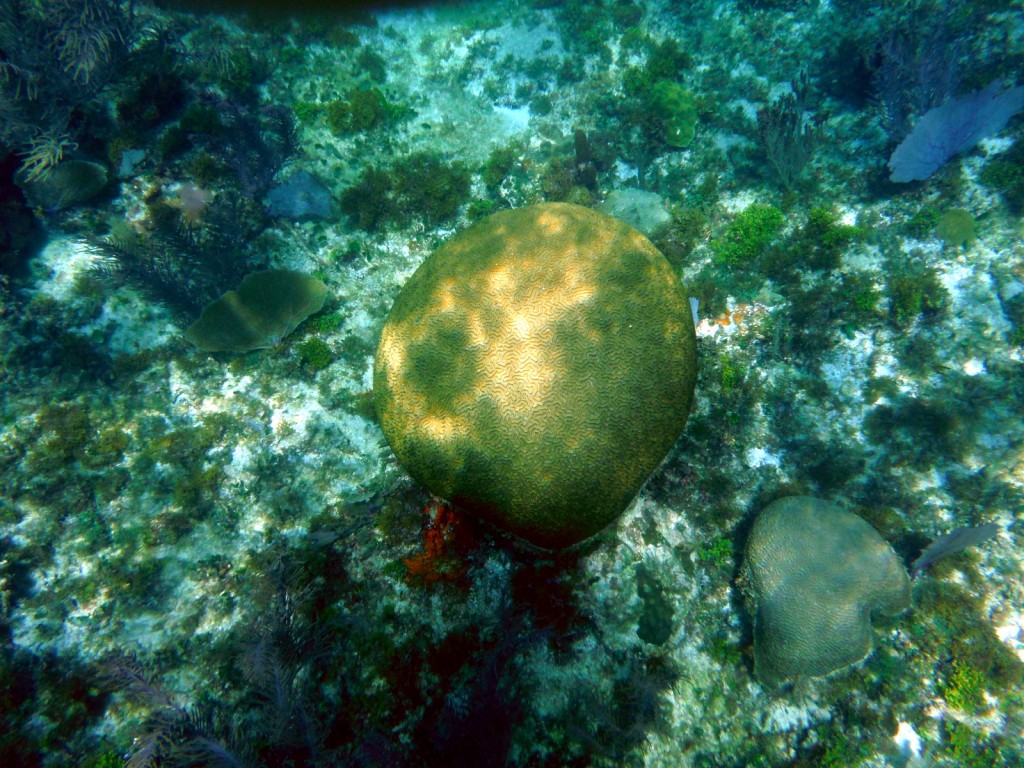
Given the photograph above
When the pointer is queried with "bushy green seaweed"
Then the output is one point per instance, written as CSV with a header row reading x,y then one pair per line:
x,y
915,292
365,108
499,163
1005,174
676,108
1014,308
969,749
479,209
419,186
748,235
922,222
315,353
965,689
666,60
718,553
688,226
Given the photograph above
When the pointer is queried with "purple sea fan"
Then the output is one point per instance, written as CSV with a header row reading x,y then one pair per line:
x,y
957,125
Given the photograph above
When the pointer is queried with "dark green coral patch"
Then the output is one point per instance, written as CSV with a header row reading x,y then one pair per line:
x,y
443,363
956,228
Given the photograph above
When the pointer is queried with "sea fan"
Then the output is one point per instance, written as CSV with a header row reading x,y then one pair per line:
x,y
954,127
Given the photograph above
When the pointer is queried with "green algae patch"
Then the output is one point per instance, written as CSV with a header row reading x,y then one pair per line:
x,y
537,368
316,354
676,108
748,235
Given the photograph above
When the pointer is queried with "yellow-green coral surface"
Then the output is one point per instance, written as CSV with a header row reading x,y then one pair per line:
x,y
537,368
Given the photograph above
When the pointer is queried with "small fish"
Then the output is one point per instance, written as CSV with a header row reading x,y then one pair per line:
x,y
953,542
694,304
323,538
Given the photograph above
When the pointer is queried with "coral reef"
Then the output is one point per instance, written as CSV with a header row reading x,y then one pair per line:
x,y
238,527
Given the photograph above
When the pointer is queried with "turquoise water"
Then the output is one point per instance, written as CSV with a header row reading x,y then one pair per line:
x,y
215,558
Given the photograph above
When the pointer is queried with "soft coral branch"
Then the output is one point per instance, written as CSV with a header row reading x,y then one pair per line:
x,y
446,537
55,58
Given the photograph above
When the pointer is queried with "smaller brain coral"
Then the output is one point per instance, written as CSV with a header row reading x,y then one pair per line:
x,y
816,574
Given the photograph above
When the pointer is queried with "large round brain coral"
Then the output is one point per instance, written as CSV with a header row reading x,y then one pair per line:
x,y
537,368
816,574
